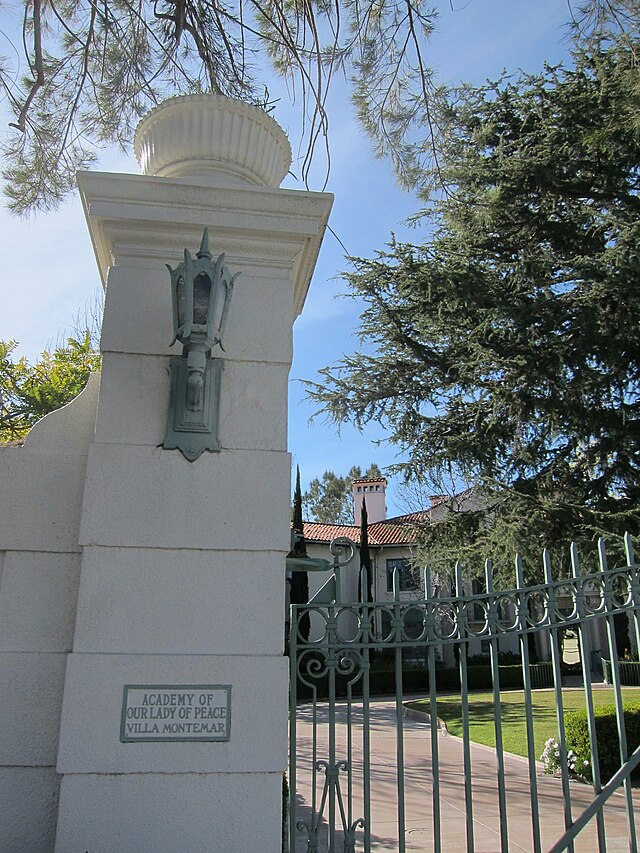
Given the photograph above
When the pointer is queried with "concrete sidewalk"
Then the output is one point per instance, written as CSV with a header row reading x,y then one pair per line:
x,y
418,829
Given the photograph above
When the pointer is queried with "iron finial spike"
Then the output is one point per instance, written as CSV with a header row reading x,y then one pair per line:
x,y
628,547
204,245
602,555
459,580
575,562
546,562
519,572
488,574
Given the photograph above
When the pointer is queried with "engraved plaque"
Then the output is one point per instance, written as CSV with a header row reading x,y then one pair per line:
x,y
176,712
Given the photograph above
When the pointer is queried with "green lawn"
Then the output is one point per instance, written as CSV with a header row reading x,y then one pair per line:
x,y
481,714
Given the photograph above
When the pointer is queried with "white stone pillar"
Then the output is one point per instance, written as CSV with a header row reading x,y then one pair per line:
x,y
182,574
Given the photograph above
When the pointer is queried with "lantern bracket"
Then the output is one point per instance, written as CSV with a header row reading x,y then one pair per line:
x,y
188,430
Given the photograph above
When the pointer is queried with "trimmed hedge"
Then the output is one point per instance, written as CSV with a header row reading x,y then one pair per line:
x,y
577,733
416,680
479,677
380,684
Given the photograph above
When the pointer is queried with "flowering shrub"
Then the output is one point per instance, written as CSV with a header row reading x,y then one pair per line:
x,y
577,732
551,756
552,760
576,765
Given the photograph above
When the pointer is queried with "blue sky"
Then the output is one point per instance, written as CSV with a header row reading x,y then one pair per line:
x,y
48,272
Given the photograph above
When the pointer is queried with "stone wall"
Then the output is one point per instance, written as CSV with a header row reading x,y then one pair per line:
x,y
42,491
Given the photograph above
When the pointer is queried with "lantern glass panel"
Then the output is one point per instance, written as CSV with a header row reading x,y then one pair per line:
x,y
201,292
180,299
218,306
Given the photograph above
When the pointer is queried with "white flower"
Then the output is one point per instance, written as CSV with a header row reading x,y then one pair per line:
x,y
552,758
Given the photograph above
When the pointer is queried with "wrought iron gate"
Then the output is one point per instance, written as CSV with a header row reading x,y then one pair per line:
x,y
334,719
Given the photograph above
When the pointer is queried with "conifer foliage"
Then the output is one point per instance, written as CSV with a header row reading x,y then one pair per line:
x,y
30,391
507,352
79,75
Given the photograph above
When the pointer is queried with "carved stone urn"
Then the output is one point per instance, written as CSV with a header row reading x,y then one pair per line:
x,y
214,140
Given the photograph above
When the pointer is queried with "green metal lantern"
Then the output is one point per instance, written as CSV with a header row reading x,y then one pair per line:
x,y
201,291
201,294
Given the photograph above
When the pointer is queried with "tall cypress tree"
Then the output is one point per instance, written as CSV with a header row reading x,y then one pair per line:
x,y
299,582
365,555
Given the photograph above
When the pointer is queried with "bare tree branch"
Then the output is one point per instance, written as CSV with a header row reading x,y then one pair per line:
x,y
37,66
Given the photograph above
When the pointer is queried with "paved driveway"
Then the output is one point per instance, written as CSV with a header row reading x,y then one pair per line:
x,y
418,830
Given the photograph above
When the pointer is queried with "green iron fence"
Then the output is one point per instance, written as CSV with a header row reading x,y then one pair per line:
x,y
330,771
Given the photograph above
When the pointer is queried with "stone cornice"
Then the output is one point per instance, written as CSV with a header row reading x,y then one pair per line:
x,y
156,218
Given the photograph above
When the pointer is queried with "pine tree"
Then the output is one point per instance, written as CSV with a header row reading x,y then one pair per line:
x,y
507,349
94,69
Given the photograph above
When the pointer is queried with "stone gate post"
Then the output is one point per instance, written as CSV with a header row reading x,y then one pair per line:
x,y
174,719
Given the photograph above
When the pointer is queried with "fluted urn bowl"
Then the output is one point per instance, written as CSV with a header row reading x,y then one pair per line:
x,y
214,139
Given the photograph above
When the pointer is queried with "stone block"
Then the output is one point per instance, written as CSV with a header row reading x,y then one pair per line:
x,y
91,716
40,504
170,813
31,687
253,410
134,399
260,320
38,600
134,402
138,314
147,497
29,797
138,600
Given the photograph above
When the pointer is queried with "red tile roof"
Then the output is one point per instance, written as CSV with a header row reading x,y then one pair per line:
x,y
316,532
400,530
